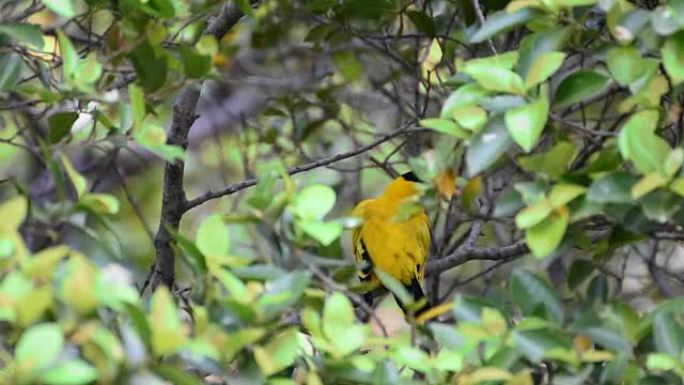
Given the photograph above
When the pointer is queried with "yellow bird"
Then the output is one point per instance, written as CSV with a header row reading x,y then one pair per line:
x,y
394,237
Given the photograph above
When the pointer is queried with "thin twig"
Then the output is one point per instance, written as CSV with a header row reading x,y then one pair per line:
x,y
235,187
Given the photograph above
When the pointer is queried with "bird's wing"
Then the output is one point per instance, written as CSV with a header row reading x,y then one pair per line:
x,y
360,250
423,236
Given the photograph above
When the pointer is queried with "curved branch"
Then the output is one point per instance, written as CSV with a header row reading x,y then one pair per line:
x,y
466,254
235,187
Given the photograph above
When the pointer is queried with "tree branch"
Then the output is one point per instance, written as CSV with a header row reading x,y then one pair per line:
x,y
235,187
174,201
466,254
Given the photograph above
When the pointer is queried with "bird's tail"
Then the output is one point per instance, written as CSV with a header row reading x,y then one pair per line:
x,y
418,294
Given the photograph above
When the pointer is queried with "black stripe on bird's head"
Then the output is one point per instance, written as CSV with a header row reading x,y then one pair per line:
x,y
411,177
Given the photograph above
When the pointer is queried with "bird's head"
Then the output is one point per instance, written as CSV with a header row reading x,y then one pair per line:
x,y
403,187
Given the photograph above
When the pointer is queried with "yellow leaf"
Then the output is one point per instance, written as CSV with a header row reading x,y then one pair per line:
x,y
471,191
13,212
79,283
40,266
168,332
597,356
581,343
445,182
489,374
523,377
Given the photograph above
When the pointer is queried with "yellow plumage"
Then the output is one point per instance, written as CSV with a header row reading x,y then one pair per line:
x,y
394,236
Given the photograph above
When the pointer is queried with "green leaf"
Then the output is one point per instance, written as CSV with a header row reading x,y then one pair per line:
x,y
136,98
471,118
668,333
195,65
532,215
24,33
544,238
314,202
73,372
665,21
324,232
535,343
608,338
13,212
212,237
580,86
69,56
660,205
508,204
60,124
552,163
661,361
168,332
79,182
579,271
465,96
349,65
543,66
612,188
394,286
177,376
526,123
501,21
447,335
100,203
422,21
246,8
64,8
494,77
339,327
89,71
445,126
412,357
487,146
673,162
638,142
677,186
279,353
647,184
673,57
563,193
79,284
536,44
153,137
625,64
233,284
38,347
10,69
530,292
151,64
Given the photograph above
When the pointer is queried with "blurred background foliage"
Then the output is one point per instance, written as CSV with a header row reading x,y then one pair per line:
x,y
176,180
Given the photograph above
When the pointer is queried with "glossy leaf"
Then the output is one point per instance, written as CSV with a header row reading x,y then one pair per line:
x,y
580,86
501,21
38,347
60,125
212,237
544,237
526,123
543,66
531,292
314,202
487,146
673,57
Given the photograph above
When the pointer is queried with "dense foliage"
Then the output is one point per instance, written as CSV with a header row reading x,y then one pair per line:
x,y
549,134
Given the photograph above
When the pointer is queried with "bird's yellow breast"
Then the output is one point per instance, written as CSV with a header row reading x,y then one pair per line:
x,y
396,243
